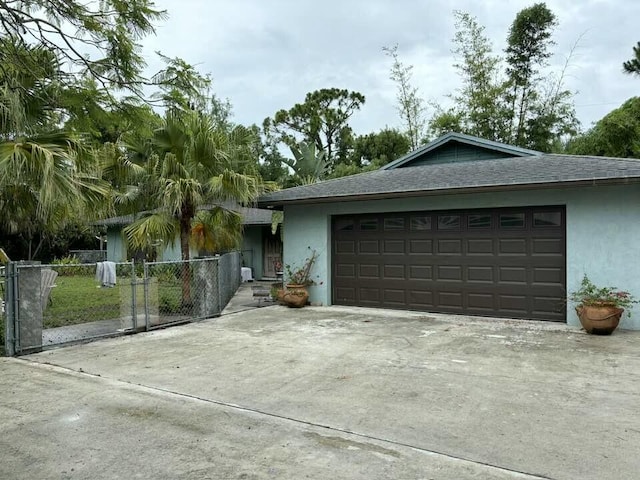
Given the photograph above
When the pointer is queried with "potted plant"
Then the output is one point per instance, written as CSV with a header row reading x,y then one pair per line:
x,y
295,297
599,309
297,279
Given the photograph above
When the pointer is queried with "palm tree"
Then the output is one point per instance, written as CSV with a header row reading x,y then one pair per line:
x,y
44,181
193,180
46,178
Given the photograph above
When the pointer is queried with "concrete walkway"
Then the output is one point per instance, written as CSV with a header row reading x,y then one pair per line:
x,y
328,392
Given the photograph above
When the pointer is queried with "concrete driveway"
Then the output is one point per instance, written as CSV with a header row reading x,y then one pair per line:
x,y
328,392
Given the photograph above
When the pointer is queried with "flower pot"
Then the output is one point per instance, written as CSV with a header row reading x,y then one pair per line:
x,y
599,319
296,298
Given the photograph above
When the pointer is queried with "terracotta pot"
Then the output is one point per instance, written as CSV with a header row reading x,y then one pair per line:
x,y
599,320
296,298
295,286
280,295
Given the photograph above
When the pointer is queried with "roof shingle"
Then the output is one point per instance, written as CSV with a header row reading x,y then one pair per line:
x,y
505,173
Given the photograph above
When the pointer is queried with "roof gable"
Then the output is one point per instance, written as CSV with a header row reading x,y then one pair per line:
x,y
458,147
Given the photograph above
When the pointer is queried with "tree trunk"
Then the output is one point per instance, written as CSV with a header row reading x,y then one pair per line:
x,y
185,231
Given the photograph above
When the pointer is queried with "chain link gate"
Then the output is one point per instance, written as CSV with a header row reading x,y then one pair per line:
x,y
48,305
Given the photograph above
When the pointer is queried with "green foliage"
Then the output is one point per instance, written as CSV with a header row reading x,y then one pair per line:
x,y
380,148
322,119
410,105
70,266
514,101
617,134
112,29
308,164
633,66
590,295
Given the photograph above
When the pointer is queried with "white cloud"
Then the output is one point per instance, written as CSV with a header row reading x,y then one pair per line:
x,y
267,55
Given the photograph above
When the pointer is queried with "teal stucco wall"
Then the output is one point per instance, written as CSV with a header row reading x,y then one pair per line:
x,y
252,250
117,251
454,152
603,228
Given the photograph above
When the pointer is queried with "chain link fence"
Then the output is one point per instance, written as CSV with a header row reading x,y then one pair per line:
x,y
48,305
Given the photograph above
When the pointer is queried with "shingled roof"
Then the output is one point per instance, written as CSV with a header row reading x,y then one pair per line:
x,y
250,216
535,171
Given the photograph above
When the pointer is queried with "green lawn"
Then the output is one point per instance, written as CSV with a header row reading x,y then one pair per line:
x,y
78,299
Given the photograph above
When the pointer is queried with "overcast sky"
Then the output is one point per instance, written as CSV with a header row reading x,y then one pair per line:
x,y
266,55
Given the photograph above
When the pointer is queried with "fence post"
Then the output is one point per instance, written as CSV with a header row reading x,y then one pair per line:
x,y
134,303
10,310
145,280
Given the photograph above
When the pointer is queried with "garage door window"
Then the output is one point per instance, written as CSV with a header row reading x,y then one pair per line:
x,y
394,223
479,221
420,223
547,219
369,224
344,225
448,222
512,220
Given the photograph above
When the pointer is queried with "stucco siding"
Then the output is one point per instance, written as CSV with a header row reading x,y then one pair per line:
x,y
252,250
454,152
603,228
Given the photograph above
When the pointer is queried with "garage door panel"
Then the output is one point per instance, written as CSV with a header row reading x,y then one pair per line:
x,y
449,246
449,273
345,294
450,300
422,247
512,246
480,273
547,305
394,247
548,246
494,262
346,270
369,295
512,275
481,301
345,247
420,272
480,246
394,272
420,298
369,246
513,303
548,275
394,297
367,271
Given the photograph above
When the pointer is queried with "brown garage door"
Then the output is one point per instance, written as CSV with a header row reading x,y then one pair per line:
x,y
501,262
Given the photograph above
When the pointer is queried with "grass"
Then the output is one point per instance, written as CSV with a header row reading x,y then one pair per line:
x,y
78,299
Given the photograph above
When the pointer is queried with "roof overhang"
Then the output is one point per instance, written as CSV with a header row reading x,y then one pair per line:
x,y
595,182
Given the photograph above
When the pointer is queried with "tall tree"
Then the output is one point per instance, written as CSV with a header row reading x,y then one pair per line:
x,y
633,66
45,177
197,171
321,119
527,51
410,104
515,100
111,29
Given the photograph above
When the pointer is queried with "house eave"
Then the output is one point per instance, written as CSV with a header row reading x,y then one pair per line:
x,y
594,182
